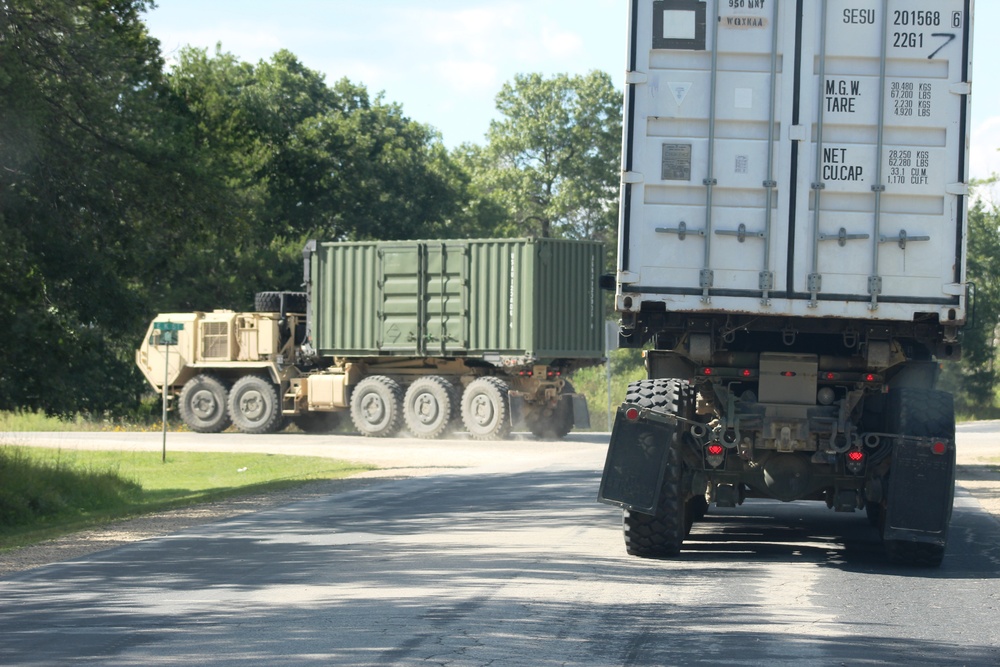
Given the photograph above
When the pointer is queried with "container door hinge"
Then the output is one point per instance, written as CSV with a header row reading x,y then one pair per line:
x,y
961,88
707,277
815,287
632,178
875,289
636,78
960,189
797,133
766,285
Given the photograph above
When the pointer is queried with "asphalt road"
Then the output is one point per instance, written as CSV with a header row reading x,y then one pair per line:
x,y
509,561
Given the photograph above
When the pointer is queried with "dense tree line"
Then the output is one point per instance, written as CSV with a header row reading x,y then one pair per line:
x,y
974,380
128,189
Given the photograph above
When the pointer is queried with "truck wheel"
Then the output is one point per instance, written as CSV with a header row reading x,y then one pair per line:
x,y
661,536
254,406
873,512
429,406
697,508
203,405
270,302
485,411
557,425
318,422
926,413
376,407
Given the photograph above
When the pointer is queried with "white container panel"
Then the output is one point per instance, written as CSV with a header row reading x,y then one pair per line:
x,y
861,197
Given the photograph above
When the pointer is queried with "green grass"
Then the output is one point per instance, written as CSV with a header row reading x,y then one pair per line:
x,y
29,422
49,492
626,366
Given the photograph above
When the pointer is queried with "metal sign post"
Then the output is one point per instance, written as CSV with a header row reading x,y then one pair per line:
x,y
168,336
610,344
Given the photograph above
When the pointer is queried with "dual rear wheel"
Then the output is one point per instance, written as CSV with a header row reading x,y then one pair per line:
x,y
208,405
430,407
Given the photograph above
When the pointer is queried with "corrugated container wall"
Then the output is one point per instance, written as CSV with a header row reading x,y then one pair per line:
x,y
458,298
797,157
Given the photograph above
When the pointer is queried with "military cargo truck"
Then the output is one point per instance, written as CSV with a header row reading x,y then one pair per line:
x,y
436,335
792,255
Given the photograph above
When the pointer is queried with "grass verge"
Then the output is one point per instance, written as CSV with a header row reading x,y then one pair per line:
x,y
45,493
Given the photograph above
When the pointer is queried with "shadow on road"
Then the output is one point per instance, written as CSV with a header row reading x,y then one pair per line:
x,y
467,568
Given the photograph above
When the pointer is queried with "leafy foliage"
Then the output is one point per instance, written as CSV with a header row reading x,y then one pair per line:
x,y
304,160
553,159
974,380
625,366
127,190
86,175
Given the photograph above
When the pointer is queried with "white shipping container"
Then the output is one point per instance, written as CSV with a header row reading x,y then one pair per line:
x,y
797,157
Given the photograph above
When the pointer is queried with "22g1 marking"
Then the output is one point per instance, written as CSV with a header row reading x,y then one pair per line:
x,y
915,40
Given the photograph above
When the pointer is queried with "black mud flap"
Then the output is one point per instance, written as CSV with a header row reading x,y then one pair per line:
x,y
637,458
921,491
515,400
581,414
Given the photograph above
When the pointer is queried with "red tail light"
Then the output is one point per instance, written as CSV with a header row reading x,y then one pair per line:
x,y
939,448
855,461
715,454
632,414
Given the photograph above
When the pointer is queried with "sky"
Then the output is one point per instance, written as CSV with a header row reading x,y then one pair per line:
x,y
445,60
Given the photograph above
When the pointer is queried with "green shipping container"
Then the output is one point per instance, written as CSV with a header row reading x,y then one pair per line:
x,y
497,299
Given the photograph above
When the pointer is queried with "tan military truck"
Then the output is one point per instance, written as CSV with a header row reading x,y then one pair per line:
x,y
436,335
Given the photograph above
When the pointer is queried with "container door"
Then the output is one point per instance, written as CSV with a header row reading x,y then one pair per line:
x,y
705,109
422,295
784,154
881,182
445,299
399,295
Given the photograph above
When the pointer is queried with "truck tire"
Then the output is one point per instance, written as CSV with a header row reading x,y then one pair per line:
x,y
661,535
429,406
270,302
557,425
926,413
254,405
485,409
376,407
203,405
318,422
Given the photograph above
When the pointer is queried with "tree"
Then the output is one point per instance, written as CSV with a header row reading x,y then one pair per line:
x,y
553,158
89,171
975,378
306,160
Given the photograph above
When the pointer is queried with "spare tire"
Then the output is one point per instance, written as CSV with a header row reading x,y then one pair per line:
x,y
270,302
